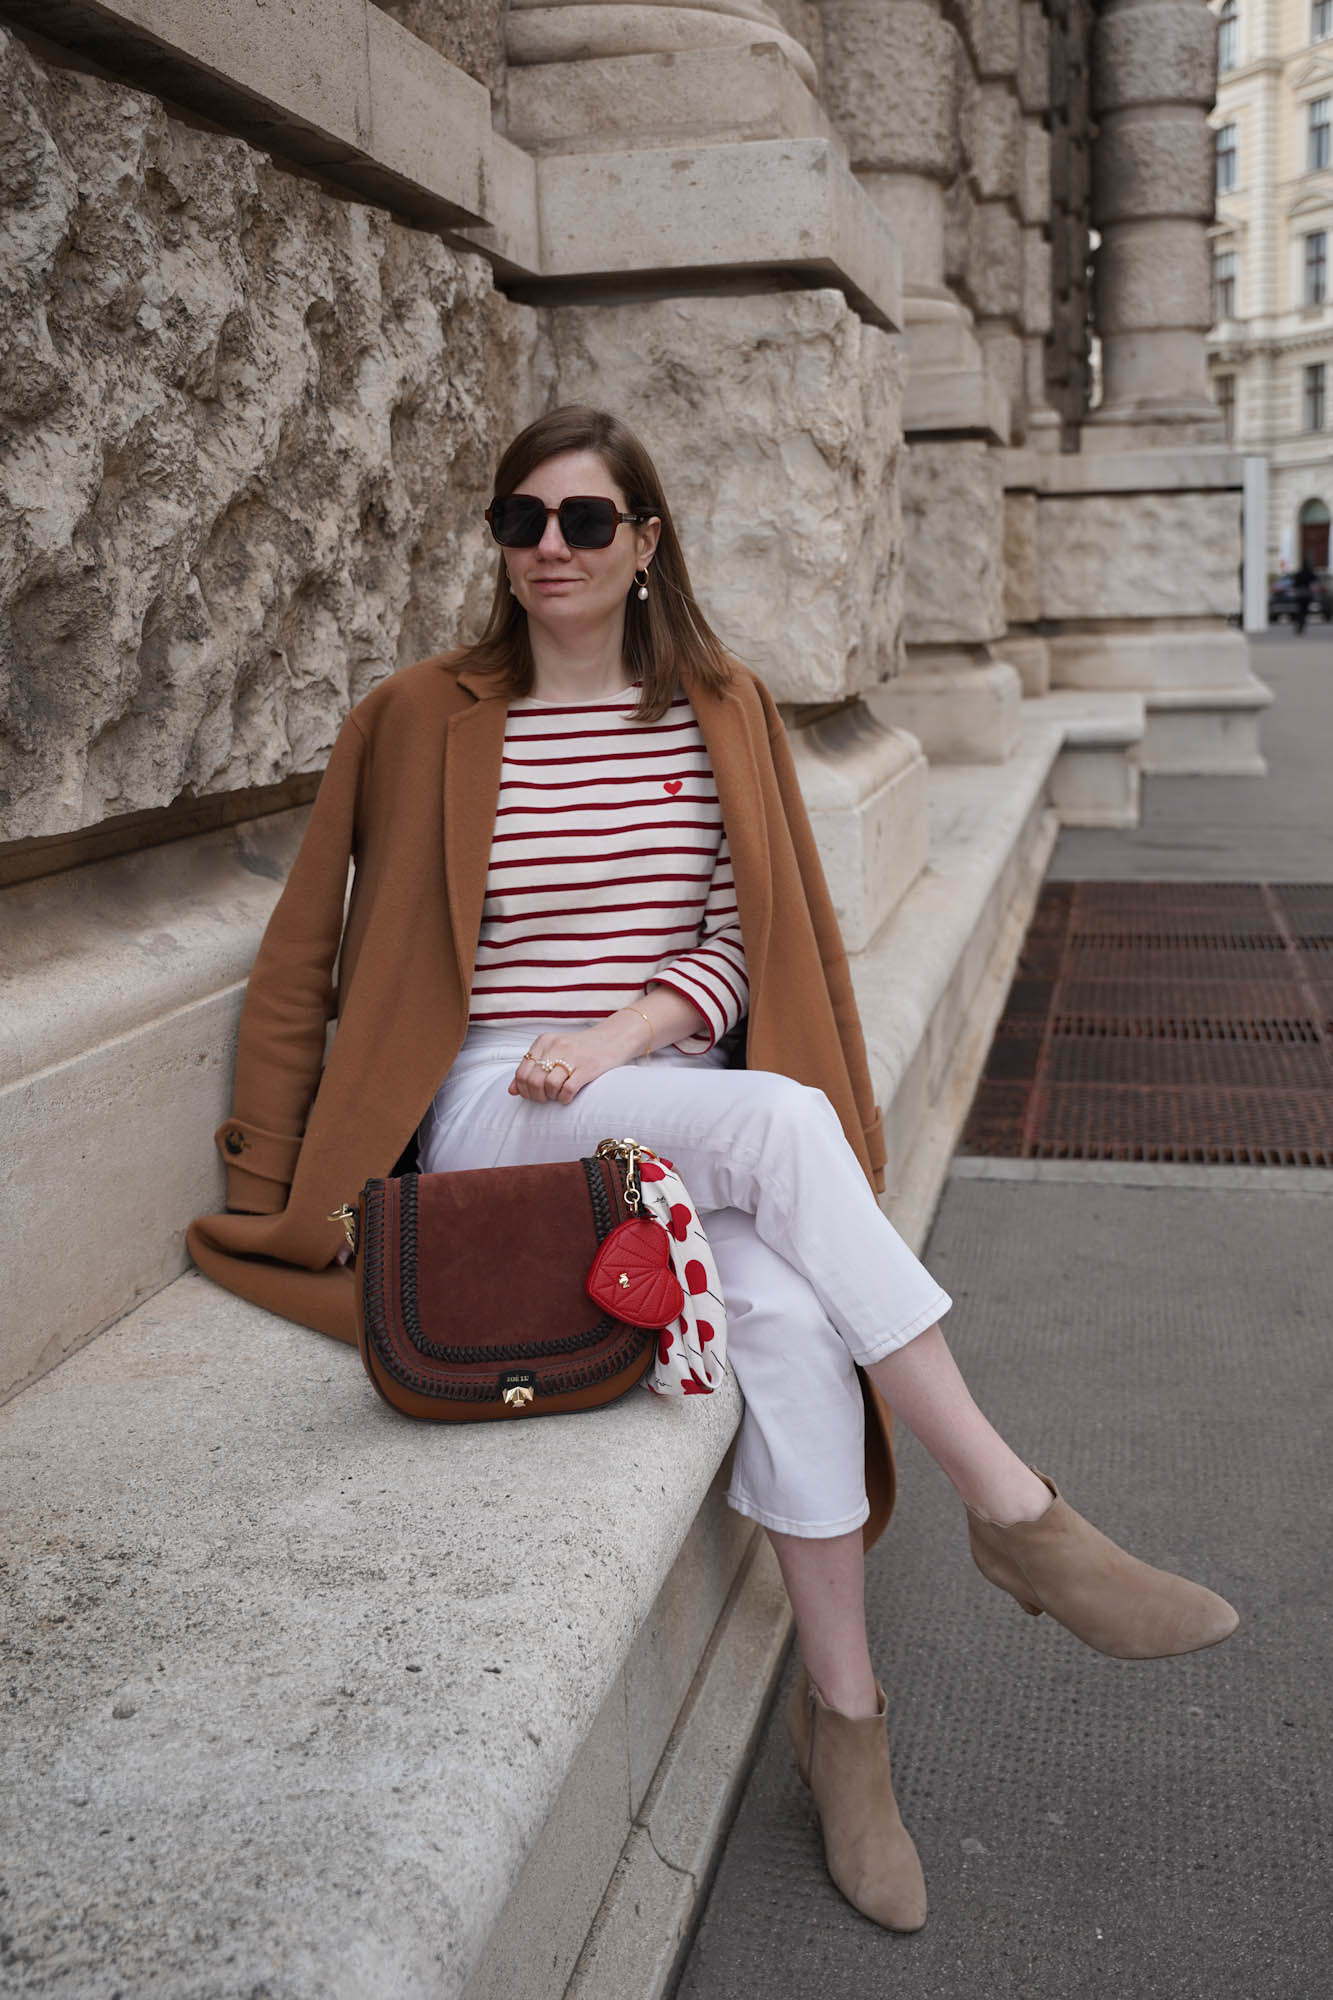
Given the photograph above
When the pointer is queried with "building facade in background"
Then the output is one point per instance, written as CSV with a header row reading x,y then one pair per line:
x,y
1270,350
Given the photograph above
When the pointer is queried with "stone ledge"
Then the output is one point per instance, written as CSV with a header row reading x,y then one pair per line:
x,y
1095,718
916,982
120,989
336,85
1170,469
939,402
773,205
99,951
1096,777
1205,732
290,1648
1252,697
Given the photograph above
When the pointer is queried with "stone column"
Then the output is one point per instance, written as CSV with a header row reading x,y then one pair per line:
x,y
559,31
1153,70
901,86
1034,211
1069,139
573,78
1138,531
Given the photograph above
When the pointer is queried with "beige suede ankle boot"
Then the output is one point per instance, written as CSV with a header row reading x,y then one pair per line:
x,y
845,1762
1114,1603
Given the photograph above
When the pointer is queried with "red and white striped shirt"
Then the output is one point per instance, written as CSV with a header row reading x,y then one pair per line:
x,y
609,871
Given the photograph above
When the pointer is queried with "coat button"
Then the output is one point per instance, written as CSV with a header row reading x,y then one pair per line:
x,y
234,1141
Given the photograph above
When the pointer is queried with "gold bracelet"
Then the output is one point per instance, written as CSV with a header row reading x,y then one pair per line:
x,y
647,1023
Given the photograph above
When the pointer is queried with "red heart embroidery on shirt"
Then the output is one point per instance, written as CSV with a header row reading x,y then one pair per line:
x,y
671,785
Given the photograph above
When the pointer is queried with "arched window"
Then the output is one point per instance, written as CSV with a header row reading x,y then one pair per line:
x,y
1228,31
1312,523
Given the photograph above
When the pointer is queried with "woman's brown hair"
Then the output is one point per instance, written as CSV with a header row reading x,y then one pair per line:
x,y
667,638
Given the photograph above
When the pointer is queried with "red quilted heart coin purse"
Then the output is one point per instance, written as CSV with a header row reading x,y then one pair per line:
x,y
631,1275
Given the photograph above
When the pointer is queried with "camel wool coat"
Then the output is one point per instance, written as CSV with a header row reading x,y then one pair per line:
x,y
408,801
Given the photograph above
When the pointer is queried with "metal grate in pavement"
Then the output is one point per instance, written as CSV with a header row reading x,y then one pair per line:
x,y
1230,1127
1151,996
1164,1063
1167,1021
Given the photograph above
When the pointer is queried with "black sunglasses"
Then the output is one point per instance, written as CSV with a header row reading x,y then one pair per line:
x,y
518,520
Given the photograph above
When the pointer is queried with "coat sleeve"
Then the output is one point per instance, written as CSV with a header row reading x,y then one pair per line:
x,y
292,996
833,955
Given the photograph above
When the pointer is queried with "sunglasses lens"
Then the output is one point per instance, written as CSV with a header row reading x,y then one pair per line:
x,y
518,520
589,523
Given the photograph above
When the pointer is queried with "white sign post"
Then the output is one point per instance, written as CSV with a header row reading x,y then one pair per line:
x,y
1254,545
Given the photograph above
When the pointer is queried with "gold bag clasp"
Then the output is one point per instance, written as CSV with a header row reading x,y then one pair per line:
x,y
347,1217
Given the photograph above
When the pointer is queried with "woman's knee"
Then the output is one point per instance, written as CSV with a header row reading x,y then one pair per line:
x,y
793,1110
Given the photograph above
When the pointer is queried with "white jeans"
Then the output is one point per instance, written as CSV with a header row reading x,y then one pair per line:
x,y
815,1277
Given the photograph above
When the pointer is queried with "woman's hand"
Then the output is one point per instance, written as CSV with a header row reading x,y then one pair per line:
x,y
578,1056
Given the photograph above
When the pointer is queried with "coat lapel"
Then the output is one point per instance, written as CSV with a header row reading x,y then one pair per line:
x,y
726,733
473,748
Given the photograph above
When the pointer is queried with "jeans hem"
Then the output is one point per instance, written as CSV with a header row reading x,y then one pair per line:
x,y
890,1344
811,1531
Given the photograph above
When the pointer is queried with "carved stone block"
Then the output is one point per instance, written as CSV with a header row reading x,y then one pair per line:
x,y
890,82
776,421
1161,52
250,435
994,140
1158,167
953,519
1139,555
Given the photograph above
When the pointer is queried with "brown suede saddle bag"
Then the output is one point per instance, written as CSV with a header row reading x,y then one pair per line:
x,y
507,1291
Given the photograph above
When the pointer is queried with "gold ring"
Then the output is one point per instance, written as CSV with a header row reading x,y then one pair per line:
x,y
560,1063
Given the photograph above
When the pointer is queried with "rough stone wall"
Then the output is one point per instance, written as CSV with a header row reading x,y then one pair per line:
x,y
776,424
246,431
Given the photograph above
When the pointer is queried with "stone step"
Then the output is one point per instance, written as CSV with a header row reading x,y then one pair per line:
x,y
1205,732
1096,777
296,1684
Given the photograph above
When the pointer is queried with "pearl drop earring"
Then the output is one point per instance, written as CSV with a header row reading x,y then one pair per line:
x,y
643,587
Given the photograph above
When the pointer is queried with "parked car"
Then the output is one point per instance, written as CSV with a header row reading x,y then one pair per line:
x,y
1282,598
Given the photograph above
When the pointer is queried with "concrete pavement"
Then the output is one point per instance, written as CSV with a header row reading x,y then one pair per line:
x,y
1119,1830
1274,829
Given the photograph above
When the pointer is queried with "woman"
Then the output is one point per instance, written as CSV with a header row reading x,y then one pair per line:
x,y
626,886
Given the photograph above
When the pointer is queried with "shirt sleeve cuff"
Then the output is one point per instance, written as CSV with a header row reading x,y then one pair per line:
x,y
720,1010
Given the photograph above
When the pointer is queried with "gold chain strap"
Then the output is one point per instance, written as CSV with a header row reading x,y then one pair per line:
x,y
631,1152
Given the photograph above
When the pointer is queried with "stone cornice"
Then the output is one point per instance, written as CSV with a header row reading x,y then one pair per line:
x,y
336,86
340,88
